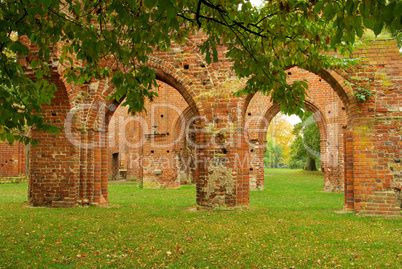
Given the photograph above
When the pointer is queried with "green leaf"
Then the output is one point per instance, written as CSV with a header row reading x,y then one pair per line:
x,y
358,27
34,63
398,9
318,7
368,22
10,138
46,3
351,7
329,11
337,38
150,3
378,27
388,11
19,48
169,7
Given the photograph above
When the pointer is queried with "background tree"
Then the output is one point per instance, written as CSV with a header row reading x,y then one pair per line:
x,y
273,156
263,44
279,134
305,149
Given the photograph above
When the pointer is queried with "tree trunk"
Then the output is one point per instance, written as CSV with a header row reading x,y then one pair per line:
x,y
310,164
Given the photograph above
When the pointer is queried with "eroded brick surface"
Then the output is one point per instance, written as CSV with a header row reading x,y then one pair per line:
x,y
12,160
329,113
73,168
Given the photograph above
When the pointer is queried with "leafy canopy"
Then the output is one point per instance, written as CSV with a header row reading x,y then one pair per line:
x,y
263,44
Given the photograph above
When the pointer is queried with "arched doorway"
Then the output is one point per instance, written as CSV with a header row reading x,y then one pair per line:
x,y
330,113
149,144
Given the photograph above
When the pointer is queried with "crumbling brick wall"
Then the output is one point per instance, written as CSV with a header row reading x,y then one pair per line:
x,y
66,171
12,159
329,113
145,142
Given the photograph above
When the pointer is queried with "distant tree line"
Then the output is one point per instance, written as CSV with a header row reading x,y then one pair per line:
x,y
298,148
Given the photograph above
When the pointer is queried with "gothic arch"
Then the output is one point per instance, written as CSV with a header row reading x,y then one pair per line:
x,y
337,83
258,144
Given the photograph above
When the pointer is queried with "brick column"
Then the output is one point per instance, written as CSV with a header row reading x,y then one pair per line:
x,y
348,189
54,164
256,173
223,165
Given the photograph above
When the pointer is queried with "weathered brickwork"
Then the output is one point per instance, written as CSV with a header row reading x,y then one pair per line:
x,y
73,168
12,160
146,142
330,115
54,163
374,136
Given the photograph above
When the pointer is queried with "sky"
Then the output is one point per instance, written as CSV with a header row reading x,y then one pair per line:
x,y
256,2
293,119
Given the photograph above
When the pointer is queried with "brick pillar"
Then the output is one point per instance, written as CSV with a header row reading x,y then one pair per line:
x,y
257,150
100,166
334,179
97,170
200,169
90,168
82,197
54,164
348,189
104,167
223,165
243,169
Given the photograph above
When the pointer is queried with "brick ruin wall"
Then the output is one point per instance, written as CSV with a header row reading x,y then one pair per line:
x,y
149,149
73,168
374,143
12,161
145,142
329,113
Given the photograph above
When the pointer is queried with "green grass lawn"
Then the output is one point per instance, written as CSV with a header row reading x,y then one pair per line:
x,y
292,224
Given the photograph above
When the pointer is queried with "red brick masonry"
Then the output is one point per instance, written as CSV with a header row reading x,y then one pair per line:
x,y
361,141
